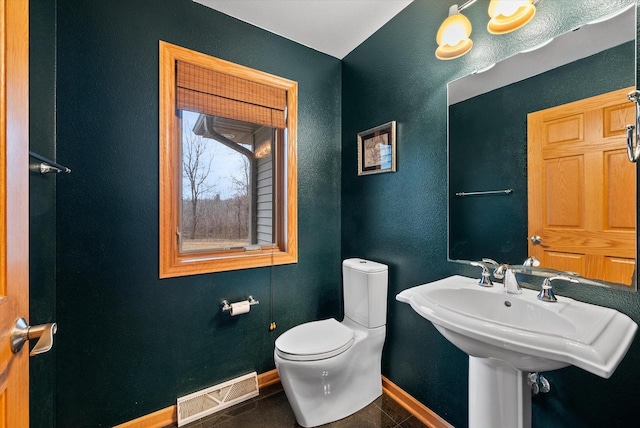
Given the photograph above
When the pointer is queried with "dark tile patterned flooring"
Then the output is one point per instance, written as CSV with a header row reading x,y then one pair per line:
x,y
271,409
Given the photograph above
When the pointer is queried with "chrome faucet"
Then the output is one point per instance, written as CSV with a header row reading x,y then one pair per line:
x,y
531,261
504,272
510,282
546,294
485,279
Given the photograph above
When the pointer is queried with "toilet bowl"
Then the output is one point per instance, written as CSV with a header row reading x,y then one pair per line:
x,y
329,369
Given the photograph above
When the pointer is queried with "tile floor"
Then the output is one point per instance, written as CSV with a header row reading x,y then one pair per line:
x,y
271,409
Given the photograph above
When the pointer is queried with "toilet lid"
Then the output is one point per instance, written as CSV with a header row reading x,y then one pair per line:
x,y
315,340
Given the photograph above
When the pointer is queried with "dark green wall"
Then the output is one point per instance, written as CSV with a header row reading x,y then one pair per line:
x,y
42,203
129,343
483,157
401,218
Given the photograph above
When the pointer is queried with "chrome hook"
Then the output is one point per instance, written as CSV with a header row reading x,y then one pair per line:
x,y
633,148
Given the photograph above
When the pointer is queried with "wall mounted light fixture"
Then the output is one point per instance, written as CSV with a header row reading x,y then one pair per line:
x,y
509,15
453,35
506,15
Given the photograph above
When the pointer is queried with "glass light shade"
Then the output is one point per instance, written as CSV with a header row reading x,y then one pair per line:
x,y
509,15
453,37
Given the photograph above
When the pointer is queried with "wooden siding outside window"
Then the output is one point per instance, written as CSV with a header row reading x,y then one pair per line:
x,y
197,82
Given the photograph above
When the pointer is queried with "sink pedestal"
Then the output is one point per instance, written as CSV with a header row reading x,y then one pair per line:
x,y
499,395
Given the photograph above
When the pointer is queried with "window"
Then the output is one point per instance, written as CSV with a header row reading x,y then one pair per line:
x,y
228,181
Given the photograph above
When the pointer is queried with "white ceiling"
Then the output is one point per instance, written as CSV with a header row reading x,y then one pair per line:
x,y
334,27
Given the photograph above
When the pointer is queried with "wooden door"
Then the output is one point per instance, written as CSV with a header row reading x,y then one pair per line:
x,y
14,194
582,187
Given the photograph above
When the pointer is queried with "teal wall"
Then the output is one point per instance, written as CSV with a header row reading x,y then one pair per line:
x,y
401,218
42,205
128,343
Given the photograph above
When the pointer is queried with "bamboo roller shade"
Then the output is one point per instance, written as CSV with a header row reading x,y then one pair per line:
x,y
214,93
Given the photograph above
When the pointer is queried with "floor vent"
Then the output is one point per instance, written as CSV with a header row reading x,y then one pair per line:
x,y
202,403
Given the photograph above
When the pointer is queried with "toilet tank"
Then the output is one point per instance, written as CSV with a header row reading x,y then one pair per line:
x,y
364,285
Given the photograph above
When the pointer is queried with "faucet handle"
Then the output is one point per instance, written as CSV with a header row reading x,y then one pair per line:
x,y
531,261
498,269
546,294
490,261
485,279
501,270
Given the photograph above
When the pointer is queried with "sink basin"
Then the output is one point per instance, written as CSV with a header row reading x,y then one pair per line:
x,y
518,328
508,335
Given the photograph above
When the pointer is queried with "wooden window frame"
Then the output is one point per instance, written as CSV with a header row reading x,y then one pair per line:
x,y
173,263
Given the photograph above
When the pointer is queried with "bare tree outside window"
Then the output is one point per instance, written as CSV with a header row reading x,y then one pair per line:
x,y
241,185
196,168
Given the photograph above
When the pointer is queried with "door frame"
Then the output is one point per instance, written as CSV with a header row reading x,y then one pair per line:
x,y
14,208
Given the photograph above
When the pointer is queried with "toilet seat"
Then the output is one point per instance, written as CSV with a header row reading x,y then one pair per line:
x,y
316,340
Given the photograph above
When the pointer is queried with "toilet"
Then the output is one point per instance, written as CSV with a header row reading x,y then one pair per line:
x,y
329,369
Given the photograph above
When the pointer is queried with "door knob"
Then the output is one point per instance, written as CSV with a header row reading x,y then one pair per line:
x,y
535,240
22,332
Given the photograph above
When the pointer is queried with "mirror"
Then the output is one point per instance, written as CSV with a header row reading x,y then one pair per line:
x,y
487,138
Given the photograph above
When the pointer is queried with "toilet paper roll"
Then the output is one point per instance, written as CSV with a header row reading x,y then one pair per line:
x,y
240,308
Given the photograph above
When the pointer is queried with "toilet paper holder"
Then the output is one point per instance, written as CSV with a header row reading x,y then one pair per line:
x,y
226,306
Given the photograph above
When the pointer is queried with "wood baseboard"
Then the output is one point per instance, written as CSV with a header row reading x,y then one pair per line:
x,y
268,378
158,419
413,406
168,416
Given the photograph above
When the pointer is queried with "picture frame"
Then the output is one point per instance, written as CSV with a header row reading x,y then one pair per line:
x,y
377,149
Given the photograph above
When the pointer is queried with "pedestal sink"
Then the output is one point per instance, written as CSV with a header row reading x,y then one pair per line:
x,y
508,335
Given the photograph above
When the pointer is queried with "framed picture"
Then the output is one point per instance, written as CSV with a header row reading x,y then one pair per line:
x,y
377,149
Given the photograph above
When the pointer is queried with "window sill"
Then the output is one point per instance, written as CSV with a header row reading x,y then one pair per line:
x,y
195,264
